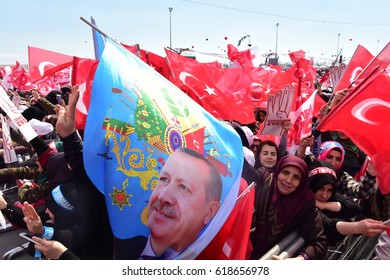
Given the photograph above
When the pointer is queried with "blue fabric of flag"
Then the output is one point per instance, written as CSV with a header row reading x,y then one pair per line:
x,y
98,41
136,119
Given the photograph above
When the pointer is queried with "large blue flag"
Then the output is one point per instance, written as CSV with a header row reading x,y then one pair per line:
x,y
98,41
136,119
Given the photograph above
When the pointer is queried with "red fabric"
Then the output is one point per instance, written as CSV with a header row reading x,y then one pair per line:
x,y
244,58
157,62
324,80
364,115
19,77
261,78
295,56
224,93
55,69
232,240
303,70
45,156
377,64
358,62
3,72
46,85
41,60
262,137
83,74
318,103
362,172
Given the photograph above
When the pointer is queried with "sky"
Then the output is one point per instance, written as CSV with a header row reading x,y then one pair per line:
x,y
320,28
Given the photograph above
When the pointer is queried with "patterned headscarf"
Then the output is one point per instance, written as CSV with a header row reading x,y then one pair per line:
x,y
328,146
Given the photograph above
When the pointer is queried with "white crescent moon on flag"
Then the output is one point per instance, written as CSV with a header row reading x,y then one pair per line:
x,y
184,75
80,105
42,66
359,110
355,73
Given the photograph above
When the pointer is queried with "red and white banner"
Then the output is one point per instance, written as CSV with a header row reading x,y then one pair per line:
x,y
15,116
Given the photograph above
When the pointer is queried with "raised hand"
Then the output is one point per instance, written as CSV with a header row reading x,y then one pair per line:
x,y
66,115
32,219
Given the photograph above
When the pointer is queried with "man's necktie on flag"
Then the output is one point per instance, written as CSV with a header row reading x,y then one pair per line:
x,y
137,119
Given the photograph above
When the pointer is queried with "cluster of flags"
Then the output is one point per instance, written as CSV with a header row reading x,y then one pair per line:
x,y
143,107
363,115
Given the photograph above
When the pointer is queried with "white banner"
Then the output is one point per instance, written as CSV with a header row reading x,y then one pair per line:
x,y
15,116
8,149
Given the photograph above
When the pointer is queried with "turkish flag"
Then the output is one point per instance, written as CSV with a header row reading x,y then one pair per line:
x,y
232,240
364,115
304,70
20,78
224,93
83,74
41,60
358,62
244,58
261,78
377,64
157,62
295,56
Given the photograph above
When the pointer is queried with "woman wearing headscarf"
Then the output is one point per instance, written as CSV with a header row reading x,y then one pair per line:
x,y
65,224
354,157
333,152
283,204
338,211
268,152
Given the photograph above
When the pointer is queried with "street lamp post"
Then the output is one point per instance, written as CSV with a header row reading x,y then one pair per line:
x,y
276,47
377,45
170,27
338,43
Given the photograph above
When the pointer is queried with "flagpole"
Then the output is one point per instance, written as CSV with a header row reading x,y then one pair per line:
x,y
101,32
96,28
365,79
337,56
245,192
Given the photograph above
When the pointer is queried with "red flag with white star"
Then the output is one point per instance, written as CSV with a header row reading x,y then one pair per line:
x,y
224,93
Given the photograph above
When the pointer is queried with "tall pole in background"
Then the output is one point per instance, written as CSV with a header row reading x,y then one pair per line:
x,y
276,47
377,45
338,44
170,27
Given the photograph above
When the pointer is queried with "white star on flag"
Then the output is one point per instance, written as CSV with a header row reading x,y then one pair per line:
x,y
209,90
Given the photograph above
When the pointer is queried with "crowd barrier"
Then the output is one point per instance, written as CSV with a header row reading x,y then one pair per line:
x,y
353,247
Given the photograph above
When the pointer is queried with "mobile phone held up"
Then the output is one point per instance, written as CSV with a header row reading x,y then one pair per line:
x,y
27,237
59,98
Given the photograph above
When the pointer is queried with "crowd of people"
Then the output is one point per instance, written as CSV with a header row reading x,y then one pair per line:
x,y
314,193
